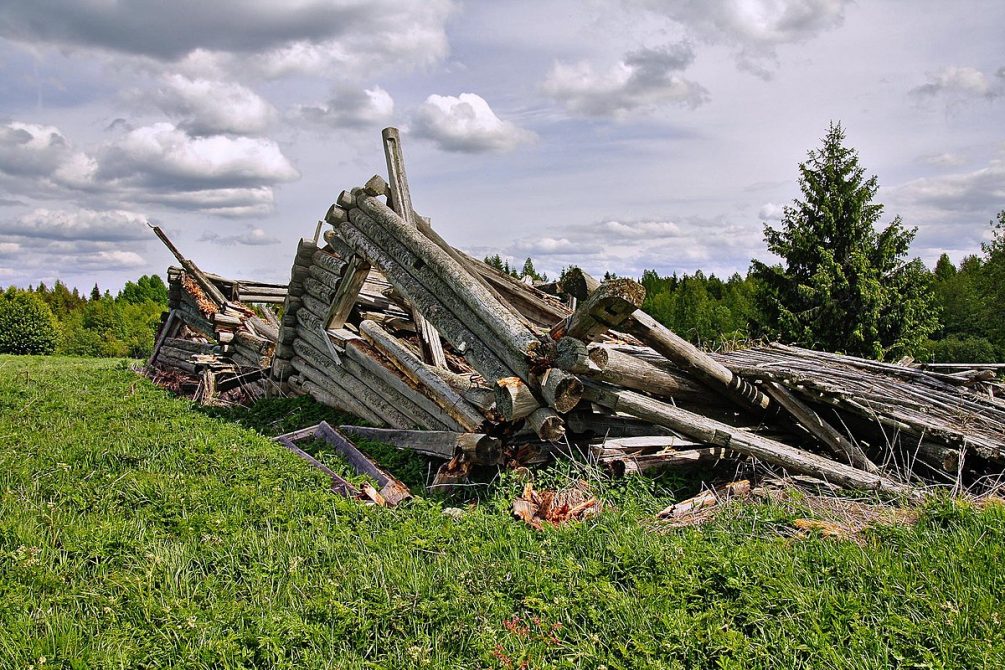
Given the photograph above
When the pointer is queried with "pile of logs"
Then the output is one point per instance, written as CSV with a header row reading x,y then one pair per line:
x,y
443,354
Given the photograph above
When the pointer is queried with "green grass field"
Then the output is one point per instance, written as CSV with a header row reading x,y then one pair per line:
x,y
137,531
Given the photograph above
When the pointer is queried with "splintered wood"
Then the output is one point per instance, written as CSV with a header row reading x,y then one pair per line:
x,y
445,355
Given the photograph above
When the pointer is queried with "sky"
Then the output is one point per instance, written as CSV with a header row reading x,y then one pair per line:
x,y
616,135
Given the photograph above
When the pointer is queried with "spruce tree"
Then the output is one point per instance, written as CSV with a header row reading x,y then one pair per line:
x,y
844,286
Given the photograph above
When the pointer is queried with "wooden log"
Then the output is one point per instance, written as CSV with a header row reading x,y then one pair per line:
x,y
607,307
319,274
631,464
511,352
345,392
339,485
534,305
401,203
258,299
263,328
476,448
319,291
328,262
434,387
722,435
578,284
547,424
697,363
356,270
389,383
212,292
471,387
613,426
514,399
573,356
499,320
391,489
189,345
804,415
457,333
621,369
168,329
561,390
739,489
622,446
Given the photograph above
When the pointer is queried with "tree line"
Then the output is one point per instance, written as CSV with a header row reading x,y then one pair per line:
x,y
43,320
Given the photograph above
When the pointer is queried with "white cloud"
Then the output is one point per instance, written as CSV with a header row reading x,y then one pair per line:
x,y
754,28
78,224
643,81
961,83
162,154
466,123
771,211
208,107
945,159
351,108
30,151
251,237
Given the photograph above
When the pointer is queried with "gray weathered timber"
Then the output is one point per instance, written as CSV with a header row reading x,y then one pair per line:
x,y
691,359
401,203
353,276
547,424
435,388
317,290
720,434
456,332
471,387
607,425
838,444
607,307
561,390
621,369
339,400
508,351
328,261
341,385
400,399
578,284
514,399
471,447
168,329
339,485
573,356
505,325
319,274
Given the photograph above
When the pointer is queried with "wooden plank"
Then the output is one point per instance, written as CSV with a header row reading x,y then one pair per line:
x,y
474,447
392,490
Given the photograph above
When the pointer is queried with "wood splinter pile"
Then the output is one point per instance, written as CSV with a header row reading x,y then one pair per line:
x,y
447,356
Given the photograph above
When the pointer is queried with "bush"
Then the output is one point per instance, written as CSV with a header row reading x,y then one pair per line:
x,y
27,325
956,349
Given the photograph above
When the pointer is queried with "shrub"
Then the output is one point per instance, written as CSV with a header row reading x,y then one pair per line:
x,y
27,325
956,349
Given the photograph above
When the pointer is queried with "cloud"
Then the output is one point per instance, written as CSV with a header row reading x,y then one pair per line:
x,y
771,211
251,237
754,28
957,84
49,243
466,124
643,81
80,224
207,107
351,108
945,159
32,150
979,191
243,35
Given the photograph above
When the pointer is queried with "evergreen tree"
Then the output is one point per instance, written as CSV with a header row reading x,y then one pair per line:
x,y
844,286
95,293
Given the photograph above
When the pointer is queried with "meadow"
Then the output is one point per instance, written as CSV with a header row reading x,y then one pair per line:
x,y
137,531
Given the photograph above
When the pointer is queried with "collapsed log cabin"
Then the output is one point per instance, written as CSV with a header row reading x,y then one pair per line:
x,y
443,354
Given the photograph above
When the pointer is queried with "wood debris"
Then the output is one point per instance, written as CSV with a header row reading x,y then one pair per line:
x,y
383,319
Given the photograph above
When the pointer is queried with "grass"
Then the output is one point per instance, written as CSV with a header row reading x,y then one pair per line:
x,y
137,532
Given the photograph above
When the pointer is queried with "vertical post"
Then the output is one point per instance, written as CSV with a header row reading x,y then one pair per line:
x,y
401,203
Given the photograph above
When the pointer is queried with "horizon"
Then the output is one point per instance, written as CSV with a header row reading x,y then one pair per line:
x,y
662,140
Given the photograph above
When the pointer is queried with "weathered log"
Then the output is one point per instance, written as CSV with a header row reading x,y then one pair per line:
x,y
437,390
547,424
212,292
722,435
573,356
514,399
623,446
320,291
561,390
499,320
607,307
578,284
476,448
319,274
168,328
696,362
356,270
189,345
838,444
457,333
471,387
615,426
328,262
621,369
346,392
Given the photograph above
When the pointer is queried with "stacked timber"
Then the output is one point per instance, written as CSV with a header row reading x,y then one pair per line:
x,y
445,355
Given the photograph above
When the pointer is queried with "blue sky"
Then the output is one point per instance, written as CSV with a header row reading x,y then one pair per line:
x,y
614,134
